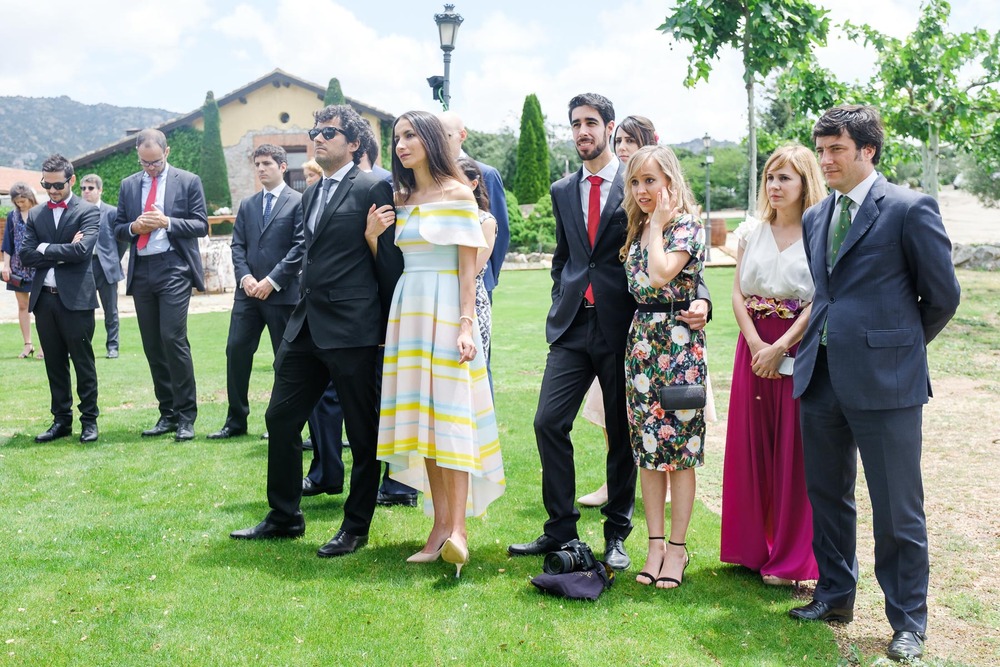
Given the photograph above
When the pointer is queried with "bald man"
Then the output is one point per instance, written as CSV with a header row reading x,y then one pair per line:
x,y
455,130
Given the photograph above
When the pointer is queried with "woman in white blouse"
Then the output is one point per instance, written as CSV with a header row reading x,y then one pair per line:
x,y
766,516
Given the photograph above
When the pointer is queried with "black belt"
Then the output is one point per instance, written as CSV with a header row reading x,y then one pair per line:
x,y
50,290
672,306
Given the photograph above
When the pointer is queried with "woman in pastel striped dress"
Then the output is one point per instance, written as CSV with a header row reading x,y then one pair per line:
x,y
437,429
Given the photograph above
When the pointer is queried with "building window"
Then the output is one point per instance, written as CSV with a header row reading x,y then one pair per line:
x,y
294,175
284,117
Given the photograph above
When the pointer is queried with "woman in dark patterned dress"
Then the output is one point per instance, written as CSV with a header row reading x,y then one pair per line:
x,y
23,198
484,310
663,257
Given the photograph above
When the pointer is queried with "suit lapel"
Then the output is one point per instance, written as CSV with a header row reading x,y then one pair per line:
x,y
577,223
338,196
171,183
615,198
275,208
257,211
867,214
817,242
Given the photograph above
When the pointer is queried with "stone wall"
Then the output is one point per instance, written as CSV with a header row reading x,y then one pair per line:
x,y
982,256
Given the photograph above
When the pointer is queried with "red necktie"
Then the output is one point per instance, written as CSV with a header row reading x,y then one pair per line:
x,y
150,200
53,205
593,220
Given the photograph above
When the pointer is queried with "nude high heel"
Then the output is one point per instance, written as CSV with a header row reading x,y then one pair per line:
x,y
424,557
455,553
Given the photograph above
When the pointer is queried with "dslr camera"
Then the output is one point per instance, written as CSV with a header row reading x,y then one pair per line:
x,y
574,556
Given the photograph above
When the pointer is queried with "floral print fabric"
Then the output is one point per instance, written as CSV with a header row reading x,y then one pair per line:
x,y
664,351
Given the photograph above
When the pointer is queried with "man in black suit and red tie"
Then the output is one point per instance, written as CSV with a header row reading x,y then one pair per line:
x,y
334,333
586,329
59,241
267,254
161,214
108,255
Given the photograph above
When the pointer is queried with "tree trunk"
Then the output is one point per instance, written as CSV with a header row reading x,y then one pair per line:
x,y
752,124
930,175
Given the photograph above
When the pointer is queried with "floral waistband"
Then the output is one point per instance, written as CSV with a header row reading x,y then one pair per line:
x,y
760,307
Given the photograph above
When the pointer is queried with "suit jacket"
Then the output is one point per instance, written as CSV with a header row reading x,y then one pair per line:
x,y
498,207
891,291
345,292
273,250
382,173
183,203
74,269
109,250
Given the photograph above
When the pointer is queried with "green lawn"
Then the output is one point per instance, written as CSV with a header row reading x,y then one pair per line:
x,y
118,553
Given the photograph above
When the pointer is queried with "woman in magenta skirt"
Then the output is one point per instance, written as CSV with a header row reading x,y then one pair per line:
x,y
766,517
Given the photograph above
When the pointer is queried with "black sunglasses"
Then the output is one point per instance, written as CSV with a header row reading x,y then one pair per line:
x,y
53,186
88,188
327,132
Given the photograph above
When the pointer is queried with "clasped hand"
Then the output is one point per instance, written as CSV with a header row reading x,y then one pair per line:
x,y
765,361
379,220
150,221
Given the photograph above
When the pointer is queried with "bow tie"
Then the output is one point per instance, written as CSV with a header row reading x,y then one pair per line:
x,y
53,204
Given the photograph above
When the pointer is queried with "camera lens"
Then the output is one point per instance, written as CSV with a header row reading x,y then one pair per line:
x,y
558,562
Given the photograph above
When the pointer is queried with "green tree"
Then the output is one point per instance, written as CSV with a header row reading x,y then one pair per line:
x,y
770,34
212,167
497,149
531,180
936,87
334,95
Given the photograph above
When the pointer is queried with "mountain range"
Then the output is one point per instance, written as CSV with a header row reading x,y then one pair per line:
x,y
32,128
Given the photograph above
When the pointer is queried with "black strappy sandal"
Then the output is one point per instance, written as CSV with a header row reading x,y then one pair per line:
x,y
687,561
652,579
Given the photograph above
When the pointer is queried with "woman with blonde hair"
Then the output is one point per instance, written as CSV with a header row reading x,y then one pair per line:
x,y
766,516
437,429
663,251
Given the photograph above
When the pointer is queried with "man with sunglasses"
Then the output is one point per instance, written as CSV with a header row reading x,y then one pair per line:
x,y
59,241
161,214
107,259
334,332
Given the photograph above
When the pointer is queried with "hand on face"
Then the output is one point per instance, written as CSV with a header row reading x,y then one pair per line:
x,y
666,210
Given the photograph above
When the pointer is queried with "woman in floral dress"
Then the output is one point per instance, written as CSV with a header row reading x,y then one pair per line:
x,y
663,257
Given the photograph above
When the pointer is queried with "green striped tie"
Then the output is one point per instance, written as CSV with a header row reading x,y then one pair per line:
x,y
837,240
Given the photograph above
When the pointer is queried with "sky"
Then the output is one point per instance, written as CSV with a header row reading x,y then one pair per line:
x,y
168,54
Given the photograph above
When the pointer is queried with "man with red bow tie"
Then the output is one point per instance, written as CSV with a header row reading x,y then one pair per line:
x,y
59,242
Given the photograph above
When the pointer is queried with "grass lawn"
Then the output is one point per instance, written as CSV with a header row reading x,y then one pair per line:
x,y
118,553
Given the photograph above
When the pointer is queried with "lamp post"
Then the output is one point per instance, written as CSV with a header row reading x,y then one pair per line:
x,y
447,23
709,159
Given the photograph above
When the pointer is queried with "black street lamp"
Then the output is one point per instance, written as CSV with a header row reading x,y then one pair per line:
x,y
447,23
709,159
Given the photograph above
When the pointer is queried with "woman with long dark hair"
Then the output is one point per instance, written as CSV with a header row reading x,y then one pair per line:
x,y
17,276
437,428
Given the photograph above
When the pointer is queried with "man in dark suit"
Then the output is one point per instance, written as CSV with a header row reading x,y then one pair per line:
x,y
268,243
334,333
161,214
885,287
586,329
59,241
108,255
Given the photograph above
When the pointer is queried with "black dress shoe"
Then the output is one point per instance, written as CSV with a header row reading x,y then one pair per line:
x,y
89,433
342,544
113,354
614,554
543,545
161,427
185,431
906,645
57,430
310,489
266,530
307,445
226,432
403,499
817,610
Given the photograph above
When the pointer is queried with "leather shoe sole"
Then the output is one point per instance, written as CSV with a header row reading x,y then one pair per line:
x,y
542,545
265,530
310,489
818,610
906,645
401,499
342,544
226,432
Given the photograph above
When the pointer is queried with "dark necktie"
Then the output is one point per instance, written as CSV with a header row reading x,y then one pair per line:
x,y
840,229
150,202
268,202
593,220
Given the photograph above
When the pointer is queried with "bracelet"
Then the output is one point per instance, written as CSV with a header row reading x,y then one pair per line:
x,y
466,317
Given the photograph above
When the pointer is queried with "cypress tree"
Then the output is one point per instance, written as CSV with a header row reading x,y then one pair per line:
x,y
531,180
212,168
334,95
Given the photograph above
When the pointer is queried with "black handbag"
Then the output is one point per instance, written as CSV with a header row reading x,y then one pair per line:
x,y
682,397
